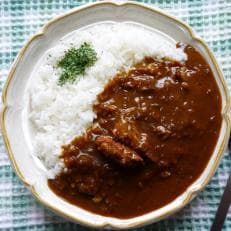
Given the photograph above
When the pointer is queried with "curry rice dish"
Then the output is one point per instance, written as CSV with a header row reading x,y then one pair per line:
x,y
155,127
150,140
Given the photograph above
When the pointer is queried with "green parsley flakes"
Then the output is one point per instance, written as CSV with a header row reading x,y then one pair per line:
x,y
75,62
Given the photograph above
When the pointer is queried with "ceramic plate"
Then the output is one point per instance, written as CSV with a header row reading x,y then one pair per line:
x,y
18,139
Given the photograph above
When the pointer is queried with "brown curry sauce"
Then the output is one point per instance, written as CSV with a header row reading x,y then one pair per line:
x,y
155,131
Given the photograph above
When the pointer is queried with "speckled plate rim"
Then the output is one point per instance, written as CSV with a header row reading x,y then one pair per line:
x,y
190,192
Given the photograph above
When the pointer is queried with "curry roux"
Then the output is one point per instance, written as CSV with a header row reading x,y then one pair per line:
x,y
155,131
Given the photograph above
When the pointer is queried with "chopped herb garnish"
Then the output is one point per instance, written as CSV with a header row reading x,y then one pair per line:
x,y
75,62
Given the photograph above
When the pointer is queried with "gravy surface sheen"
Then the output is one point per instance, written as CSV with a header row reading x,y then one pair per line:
x,y
154,133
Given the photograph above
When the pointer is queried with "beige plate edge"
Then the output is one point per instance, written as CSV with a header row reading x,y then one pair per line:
x,y
225,112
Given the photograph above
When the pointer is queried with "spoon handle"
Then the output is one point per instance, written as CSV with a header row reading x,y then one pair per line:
x,y
224,204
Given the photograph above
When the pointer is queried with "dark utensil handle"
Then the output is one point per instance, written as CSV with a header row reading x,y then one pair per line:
x,y
225,202
223,208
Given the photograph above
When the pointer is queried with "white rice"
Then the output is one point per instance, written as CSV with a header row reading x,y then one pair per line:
x,y
58,114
